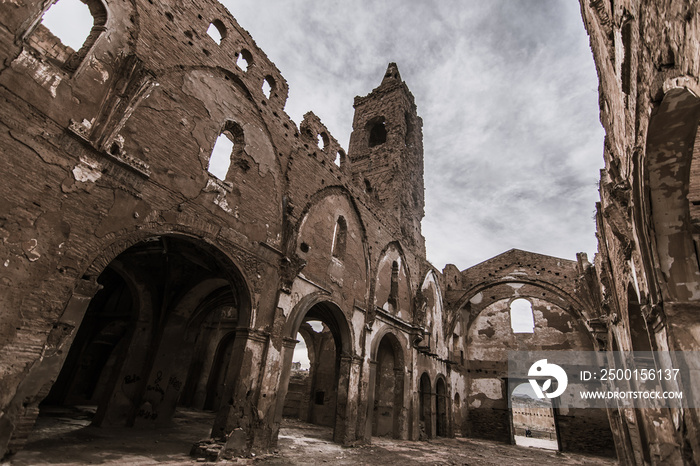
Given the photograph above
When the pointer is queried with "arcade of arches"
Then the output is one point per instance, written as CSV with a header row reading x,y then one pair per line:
x,y
147,268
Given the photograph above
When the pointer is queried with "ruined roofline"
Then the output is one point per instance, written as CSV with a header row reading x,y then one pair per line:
x,y
390,82
516,250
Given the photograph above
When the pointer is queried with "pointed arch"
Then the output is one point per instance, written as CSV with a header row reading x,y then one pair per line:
x,y
392,283
666,169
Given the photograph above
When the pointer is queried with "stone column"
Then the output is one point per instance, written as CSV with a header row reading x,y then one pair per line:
x,y
238,416
21,413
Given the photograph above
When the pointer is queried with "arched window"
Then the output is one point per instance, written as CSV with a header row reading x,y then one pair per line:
x,y
521,317
67,31
340,238
268,86
217,31
377,131
244,60
229,144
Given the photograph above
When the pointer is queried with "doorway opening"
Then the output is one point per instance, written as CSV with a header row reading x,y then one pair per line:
x,y
533,419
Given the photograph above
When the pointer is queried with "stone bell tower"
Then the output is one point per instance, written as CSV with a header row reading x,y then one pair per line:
x,y
386,152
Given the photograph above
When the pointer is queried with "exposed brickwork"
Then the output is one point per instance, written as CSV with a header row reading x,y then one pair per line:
x,y
135,279
648,66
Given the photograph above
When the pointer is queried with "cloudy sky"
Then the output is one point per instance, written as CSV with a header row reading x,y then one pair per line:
x,y
507,91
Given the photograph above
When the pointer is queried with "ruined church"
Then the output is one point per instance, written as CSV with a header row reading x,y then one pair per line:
x,y
142,271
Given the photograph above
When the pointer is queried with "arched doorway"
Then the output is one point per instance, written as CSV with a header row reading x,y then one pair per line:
x,y
425,407
98,348
533,419
329,344
388,388
441,426
134,350
297,402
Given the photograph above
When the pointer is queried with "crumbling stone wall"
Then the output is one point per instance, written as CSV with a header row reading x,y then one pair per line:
x,y
648,68
109,202
480,299
106,156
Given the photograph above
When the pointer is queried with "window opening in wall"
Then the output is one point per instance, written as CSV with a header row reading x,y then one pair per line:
x,y
267,86
340,238
325,140
230,140
217,31
337,159
67,30
244,60
521,316
377,132
301,355
316,325
220,159
70,21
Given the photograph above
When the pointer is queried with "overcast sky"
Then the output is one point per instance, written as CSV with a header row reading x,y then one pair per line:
x,y
507,91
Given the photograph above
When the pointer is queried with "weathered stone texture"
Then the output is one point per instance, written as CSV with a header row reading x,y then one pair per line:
x,y
136,279
646,54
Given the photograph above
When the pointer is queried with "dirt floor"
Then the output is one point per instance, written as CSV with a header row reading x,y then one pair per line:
x,y
64,437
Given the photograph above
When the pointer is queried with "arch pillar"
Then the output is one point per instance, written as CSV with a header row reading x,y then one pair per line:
x,y
238,416
19,418
370,398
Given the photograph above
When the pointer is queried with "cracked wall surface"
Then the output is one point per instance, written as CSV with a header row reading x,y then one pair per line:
x,y
646,55
135,279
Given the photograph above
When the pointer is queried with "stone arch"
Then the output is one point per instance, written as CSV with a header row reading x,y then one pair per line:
x,y
298,398
386,410
124,397
123,240
567,302
325,192
392,282
559,326
531,417
431,316
425,407
41,39
329,310
442,400
313,242
320,306
670,143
